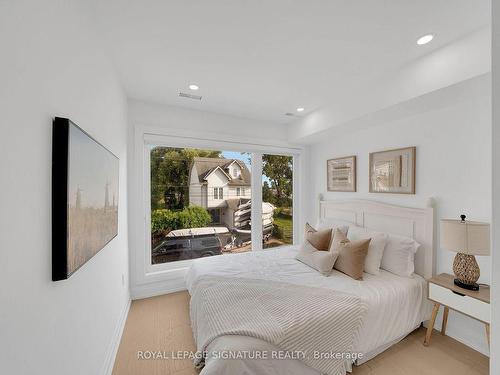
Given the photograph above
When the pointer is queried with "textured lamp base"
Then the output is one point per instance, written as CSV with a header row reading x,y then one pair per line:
x,y
466,271
460,284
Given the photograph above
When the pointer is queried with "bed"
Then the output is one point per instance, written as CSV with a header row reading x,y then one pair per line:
x,y
395,305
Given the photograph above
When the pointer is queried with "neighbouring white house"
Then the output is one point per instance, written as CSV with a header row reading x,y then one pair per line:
x,y
219,185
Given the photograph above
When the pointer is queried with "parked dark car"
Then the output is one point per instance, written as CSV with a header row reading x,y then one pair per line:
x,y
181,248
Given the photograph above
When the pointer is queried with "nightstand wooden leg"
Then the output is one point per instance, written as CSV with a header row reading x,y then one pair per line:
x,y
487,326
430,327
445,320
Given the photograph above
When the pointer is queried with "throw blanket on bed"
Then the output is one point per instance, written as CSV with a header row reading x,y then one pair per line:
x,y
297,319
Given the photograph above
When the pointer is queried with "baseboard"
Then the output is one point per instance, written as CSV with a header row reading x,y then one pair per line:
x,y
115,341
467,342
157,288
451,332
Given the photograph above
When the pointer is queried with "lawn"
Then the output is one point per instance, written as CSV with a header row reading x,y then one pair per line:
x,y
284,224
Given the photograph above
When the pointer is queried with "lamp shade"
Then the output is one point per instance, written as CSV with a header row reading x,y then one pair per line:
x,y
468,237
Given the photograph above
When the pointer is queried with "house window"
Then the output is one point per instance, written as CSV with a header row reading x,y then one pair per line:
x,y
218,193
186,186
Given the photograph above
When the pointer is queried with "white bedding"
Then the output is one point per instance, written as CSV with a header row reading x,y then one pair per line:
x,y
396,306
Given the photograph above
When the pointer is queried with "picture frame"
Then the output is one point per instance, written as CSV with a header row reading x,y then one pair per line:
x,y
393,171
341,174
85,188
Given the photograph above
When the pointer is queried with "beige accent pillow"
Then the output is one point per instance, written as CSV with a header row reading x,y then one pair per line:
x,y
319,239
375,250
321,261
351,258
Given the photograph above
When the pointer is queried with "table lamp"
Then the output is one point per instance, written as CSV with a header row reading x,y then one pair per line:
x,y
467,238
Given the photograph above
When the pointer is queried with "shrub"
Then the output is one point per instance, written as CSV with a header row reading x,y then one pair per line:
x,y
164,221
193,217
278,232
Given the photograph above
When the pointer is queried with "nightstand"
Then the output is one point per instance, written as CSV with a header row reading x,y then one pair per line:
x,y
442,291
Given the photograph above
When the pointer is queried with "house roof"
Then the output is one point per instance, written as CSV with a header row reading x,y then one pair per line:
x,y
234,203
205,166
212,170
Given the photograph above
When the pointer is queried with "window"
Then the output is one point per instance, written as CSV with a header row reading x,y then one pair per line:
x,y
235,172
218,193
277,200
189,216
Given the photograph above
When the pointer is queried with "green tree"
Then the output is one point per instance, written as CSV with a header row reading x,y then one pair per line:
x,y
279,171
170,175
267,193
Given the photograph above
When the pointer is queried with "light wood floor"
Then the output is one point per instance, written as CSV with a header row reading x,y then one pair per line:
x,y
162,324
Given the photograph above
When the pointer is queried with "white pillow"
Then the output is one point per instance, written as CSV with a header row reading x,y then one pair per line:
x,y
343,226
321,261
375,249
399,255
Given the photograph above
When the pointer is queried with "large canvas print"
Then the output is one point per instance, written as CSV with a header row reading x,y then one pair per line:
x,y
85,198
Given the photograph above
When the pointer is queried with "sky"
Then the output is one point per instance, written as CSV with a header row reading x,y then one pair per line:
x,y
238,155
91,167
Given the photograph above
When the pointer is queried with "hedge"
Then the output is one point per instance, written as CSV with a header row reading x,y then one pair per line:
x,y
164,221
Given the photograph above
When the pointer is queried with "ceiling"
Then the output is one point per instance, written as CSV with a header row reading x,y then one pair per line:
x,y
260,59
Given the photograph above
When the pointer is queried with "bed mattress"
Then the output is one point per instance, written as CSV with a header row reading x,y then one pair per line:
x,y
396,306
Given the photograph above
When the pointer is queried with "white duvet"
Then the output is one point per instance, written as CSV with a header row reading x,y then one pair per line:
x,y
396,306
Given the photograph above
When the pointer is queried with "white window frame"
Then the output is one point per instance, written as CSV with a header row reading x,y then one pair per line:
x,y
218,193
238,192
146,274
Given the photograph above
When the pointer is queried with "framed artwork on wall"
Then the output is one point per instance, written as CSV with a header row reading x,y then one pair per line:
x,y
341,174
393,171
84,198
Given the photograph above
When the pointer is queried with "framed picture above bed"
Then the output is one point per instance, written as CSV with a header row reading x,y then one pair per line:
x,y
341,174
393,171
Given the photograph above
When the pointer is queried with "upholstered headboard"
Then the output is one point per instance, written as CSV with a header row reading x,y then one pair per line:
x,y
417,223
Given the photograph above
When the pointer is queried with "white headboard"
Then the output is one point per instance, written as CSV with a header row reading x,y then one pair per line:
x,y
417,223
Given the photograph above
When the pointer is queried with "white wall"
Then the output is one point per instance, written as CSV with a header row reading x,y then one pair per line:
x,y
52,64
453,165
177,119
495,280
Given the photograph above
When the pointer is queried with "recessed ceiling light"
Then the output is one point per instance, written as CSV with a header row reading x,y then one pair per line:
x,y
425,39
193,87
300,109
